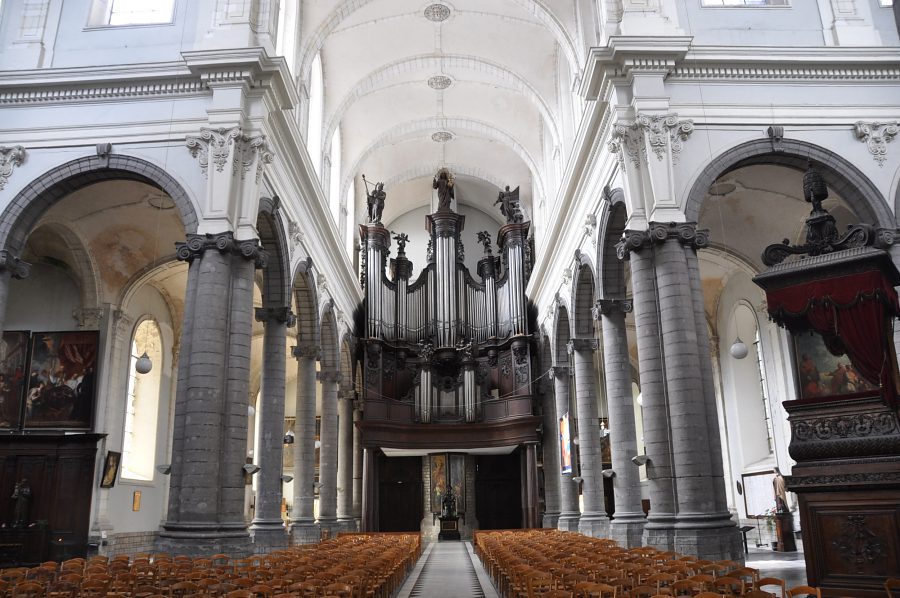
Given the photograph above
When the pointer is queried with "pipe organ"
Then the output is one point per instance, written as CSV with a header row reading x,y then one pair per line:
x,y
447,346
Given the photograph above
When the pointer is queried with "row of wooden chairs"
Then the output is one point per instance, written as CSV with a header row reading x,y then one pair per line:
x,y
348,566
554,564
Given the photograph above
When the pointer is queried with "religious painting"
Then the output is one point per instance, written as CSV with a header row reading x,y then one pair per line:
x,y
822,374
438,480
458,480
565,445
13,365
61,380
110,469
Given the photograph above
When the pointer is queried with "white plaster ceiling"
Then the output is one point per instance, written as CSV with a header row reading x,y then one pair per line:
x,y
501,105
398,452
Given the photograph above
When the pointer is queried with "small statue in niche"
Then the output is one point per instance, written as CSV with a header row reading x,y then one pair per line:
x,y
444,185
509,205
484,238
448,505
22,495
402,239
375,201
778,485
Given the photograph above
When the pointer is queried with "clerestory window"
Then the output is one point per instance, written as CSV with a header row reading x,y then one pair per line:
x,y
142,405
743,3
119,13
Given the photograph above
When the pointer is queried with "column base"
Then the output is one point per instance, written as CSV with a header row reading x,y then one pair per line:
x,y
659,534
595,526
550,521
330,527
349,525
205,539
568,522
267,539
304,532
710,543
628,534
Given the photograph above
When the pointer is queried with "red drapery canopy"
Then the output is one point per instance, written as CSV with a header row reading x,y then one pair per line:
x,y
850,312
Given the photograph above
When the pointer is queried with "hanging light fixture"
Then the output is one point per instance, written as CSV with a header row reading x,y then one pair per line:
x,y
738,348
143,365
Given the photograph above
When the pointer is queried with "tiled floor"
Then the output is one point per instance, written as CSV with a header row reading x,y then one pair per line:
x,y
448,570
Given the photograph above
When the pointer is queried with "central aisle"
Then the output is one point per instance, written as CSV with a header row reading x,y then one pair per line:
x,y
448,570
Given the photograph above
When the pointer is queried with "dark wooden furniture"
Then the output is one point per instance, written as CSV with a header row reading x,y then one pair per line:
x,y
60,470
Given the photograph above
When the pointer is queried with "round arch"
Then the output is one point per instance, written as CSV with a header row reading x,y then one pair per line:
x,y
27,207
306,300
562,332
331,350
841,176
274,241
611,279
583,297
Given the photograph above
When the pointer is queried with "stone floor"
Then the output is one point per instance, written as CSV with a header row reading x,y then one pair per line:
x,y
451,570
448,570
789,566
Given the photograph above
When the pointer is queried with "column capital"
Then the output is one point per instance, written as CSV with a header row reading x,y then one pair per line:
x,y
10,157
196,245
632,240
11,263
582,344
559,371
306,350
281,314
686,233
665,131
327,376
89,318
608,307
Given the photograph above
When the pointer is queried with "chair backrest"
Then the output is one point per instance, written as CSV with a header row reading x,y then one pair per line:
x,y
891,584
759,594
804,591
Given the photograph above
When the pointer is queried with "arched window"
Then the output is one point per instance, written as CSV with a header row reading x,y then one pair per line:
x,y
335,183
316,106
142,408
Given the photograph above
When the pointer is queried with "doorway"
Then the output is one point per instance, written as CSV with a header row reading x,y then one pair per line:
x,y
498,491
399,494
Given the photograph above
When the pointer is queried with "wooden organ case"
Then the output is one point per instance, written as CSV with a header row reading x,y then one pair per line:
x,y
447,359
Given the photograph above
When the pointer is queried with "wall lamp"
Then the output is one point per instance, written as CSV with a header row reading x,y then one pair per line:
x,y
640,459
164,469
608,473
251,468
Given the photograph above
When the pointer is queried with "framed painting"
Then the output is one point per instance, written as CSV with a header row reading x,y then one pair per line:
x,y
458,480
823,374
438,470
62,380
13,365
110,469
565,445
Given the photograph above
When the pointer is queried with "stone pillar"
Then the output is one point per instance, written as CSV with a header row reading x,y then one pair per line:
x,y
328,452
206,500
568,490
345,460
304,529
370,492
659,529
704,527
594,521
10,267
550,445
357,469
531,513
627,526
267,527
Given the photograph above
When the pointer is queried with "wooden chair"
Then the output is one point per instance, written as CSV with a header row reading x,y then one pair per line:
x,y
642,592
759,594
557,594
705,579
686,587
730,586
891,585
539,583
342,590
590,589
178,590
262,590
93,588
709,595
804,591
765,582
239,594
28,589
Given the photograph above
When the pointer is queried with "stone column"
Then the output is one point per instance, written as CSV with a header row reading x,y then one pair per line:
x,y
627,526
345,460
531,514
304,529
550,445
267,527
10,267
357,469
659,530
370,492
209,443
328,451
704,527
594,521
568,490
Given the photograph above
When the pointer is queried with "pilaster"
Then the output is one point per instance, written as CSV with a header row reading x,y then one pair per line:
x,y
328,451
345,459
550,445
